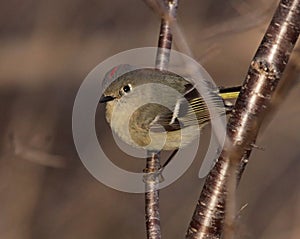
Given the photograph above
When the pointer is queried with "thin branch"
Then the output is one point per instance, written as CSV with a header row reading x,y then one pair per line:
x,y
165,35
254,100
151,179
153,161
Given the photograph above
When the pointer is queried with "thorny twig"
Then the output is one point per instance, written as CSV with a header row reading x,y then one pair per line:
x,y
258,88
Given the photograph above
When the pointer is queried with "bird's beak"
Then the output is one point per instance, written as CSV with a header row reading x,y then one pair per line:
x,y
104,99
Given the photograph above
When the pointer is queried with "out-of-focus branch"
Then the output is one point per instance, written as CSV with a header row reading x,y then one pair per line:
x,y
153,161
247,20
254,100
169,22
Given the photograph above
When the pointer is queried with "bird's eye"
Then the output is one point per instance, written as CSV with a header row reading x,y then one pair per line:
x,y
126,88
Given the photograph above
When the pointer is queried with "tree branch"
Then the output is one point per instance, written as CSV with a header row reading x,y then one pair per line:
x,y
252,104
153,161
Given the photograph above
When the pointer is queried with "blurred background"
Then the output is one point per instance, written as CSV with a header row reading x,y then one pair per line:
x,y
46,50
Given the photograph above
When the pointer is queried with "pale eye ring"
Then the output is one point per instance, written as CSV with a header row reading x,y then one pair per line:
x,y
126,89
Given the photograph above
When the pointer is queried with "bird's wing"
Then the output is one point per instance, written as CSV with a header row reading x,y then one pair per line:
x,y
187,111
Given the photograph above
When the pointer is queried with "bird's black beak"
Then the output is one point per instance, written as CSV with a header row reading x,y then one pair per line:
x,y
104,99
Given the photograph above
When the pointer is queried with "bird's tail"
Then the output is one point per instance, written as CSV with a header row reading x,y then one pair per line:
x,y
230,93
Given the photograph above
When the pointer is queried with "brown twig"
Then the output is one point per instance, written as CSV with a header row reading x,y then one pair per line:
x,y
165,35
153,161
152,196
259,86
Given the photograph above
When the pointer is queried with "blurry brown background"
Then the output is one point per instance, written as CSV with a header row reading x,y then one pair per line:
x,y
46,50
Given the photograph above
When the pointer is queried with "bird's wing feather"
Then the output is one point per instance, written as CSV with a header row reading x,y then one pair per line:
x,y
190,110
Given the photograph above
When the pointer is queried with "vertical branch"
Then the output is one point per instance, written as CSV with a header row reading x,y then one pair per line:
x,y
152,196
153,161
165,35
254,100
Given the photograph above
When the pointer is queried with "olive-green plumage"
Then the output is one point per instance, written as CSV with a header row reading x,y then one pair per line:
x,y
156,109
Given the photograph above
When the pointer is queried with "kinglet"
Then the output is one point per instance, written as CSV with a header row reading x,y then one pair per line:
x,y
158,110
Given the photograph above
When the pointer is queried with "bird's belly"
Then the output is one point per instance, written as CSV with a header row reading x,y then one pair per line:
x,y
156,141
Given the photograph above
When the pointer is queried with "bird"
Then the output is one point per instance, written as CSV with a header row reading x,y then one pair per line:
x,y
158,109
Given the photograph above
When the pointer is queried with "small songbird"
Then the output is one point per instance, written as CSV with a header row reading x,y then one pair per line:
x,y
158,110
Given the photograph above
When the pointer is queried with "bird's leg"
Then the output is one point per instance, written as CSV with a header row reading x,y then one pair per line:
x,y
169,159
